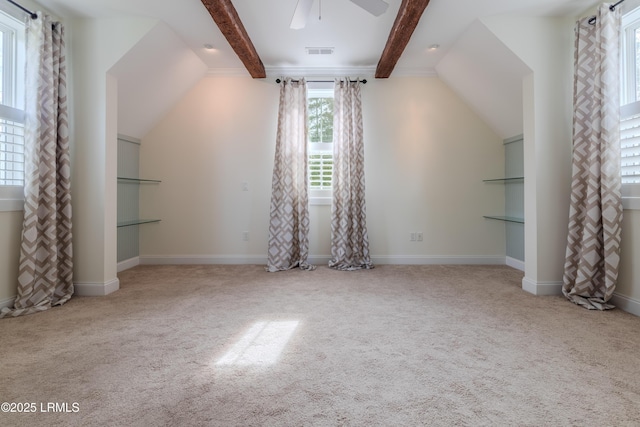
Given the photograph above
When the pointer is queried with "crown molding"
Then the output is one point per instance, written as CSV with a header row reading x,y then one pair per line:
x,y
321,71
324,72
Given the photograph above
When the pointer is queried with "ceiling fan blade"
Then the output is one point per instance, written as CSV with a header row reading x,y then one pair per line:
x,y
300,15
374,7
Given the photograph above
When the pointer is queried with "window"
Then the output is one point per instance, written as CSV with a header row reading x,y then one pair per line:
x,y
12,60
320,134
630,100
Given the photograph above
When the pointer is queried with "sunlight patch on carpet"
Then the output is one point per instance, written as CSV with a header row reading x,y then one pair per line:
x,y
261,344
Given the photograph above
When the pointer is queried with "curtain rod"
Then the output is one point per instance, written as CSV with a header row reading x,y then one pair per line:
x,y
364,81
611,8
33,15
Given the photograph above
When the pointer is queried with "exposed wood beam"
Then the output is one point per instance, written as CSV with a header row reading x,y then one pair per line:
x,y
227,19
406,21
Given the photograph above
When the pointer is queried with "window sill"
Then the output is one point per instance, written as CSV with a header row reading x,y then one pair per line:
x,y
11,205
319,201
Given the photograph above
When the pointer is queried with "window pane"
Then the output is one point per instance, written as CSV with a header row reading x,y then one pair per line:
x,y
637,65
12,63
2,67
630,97
320,113
320,136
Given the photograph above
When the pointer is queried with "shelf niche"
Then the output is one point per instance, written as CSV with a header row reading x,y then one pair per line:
x,y
513,184
129,187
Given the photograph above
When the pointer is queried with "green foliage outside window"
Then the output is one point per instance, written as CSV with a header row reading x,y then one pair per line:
x,y
320,111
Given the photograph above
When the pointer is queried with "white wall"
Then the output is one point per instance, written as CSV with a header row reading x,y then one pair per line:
x,y
545,45
152,76
488,76
96,47
426,155
629,278
10,231
107,65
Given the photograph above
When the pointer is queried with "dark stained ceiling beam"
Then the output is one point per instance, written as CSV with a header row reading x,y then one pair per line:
x,y
227,19
406,21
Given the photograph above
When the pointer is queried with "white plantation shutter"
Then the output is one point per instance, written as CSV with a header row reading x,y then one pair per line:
x,y
11,146
630,143
320,170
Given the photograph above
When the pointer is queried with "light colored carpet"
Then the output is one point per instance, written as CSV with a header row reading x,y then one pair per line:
x,y
392,346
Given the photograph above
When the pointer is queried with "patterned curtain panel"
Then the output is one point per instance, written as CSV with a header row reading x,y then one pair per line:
x,y
349,238
45,271
289,223
595,218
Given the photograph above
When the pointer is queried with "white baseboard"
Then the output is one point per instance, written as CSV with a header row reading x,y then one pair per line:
x,y
437,259
622,302
319,259
515,263
128,263
201,259
541,288
8,302
96,289
627,304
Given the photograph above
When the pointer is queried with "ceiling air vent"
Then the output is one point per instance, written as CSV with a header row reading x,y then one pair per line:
x,y
319,50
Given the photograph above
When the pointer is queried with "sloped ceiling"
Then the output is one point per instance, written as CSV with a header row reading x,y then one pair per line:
x,y
488,76
470,59
357,36
152,77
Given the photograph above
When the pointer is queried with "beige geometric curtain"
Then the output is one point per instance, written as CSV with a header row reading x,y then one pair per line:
x,y
349,238
46,268
289,213
595,218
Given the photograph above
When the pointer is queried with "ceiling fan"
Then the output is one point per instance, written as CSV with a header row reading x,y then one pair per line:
x,y
303,8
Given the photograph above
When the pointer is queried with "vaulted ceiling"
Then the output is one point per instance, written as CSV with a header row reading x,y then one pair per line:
x,y
254,38
361,44
226,17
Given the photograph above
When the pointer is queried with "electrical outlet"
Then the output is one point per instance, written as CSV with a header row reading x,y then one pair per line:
x,y
413,237
245,186
245,236
419,236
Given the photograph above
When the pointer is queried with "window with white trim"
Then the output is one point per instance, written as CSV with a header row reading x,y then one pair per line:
x,y
12,115
320,135
630,100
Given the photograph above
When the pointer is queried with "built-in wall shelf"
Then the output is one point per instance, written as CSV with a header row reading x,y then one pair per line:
x,y
511,183
137,222
139,180
131,186
514,178
505,218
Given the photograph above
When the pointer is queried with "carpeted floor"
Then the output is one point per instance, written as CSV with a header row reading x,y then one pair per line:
x,y
392,346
